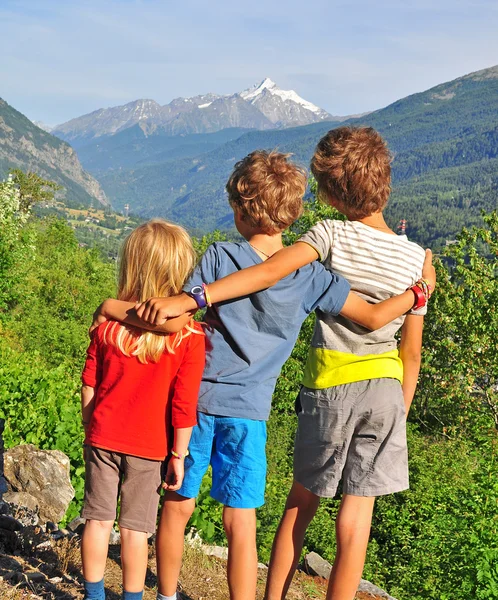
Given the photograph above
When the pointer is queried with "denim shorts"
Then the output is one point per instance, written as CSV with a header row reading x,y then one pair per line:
x,y
354,432
235,449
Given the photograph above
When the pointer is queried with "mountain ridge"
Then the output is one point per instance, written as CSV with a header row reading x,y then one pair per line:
x,y
24,145
428,132
263,106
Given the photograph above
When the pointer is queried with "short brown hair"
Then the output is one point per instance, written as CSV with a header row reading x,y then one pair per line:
x,y
353,166
267,190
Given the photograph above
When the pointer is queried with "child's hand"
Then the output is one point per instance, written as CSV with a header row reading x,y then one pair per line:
x,y
428,270
98,319
157,310
174,474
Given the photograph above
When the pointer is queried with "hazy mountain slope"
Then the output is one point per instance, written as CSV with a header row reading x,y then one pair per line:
x,y
24,145
138,146
467,104
154,189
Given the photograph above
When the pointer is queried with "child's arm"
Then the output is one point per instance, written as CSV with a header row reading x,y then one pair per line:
x,y
266,274
238,284
119,310
87,404
410,351
176,466
184,406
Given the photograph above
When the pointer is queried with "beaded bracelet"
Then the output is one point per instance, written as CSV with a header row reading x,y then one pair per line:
x,y
206,294
180,456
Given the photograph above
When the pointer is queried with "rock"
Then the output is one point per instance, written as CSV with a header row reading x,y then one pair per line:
x,y
370,588
4,508
36,577
193,538
24,506
44,474
3,482
316,565
10,524
22,499
262,566
218,551
77,525
114,538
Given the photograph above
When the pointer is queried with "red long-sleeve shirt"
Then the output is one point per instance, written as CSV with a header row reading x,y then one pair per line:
x,y
137,405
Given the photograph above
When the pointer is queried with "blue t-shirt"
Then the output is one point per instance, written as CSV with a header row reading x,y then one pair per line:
x,y
248,339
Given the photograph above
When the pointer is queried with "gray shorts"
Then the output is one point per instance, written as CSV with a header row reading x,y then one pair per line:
x,y
136,480
354,432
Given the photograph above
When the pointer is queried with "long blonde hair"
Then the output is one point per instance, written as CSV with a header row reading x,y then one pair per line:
x,y
156,260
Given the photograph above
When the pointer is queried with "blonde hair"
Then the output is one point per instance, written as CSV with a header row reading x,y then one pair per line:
x,y
267,190
353,166
156,260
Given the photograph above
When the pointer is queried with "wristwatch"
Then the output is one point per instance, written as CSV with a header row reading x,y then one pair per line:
x,y
199,295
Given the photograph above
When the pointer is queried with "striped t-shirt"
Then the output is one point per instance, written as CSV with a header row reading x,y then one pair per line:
x,y
378,265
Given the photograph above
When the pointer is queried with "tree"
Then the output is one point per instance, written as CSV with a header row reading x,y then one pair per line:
x,y
458,389
33,188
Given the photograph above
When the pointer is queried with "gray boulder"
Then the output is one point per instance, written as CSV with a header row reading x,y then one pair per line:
x,y
44,475
370,588
316,565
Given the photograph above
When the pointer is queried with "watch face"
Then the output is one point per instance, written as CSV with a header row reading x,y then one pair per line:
x,y
197,289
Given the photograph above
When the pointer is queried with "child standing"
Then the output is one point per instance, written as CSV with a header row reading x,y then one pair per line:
x,y
138,401
248,342
357,389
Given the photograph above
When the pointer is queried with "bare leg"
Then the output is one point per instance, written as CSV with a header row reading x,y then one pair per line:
x,y
175,513
352,532
134,554
94,547
242,567
300,509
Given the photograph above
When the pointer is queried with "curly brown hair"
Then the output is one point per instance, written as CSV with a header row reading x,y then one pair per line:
x,y
352,165
267,190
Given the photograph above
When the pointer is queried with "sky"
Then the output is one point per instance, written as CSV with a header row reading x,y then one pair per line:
x,y
64,58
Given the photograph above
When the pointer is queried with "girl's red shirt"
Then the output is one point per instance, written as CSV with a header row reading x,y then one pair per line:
x,y
137,405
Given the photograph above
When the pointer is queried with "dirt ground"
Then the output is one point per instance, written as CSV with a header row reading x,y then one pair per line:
x,y
54,574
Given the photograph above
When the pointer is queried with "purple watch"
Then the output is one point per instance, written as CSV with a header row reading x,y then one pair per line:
x,y
199,295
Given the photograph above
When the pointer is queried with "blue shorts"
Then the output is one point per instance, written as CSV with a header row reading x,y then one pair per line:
x,y
235,448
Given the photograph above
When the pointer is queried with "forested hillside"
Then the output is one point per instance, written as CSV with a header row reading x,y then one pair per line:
x,y
439,540
452,126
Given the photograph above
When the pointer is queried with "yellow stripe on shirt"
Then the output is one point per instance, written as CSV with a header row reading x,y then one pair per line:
x,y
327,368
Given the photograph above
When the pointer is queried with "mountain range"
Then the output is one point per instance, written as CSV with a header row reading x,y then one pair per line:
x,y
263,106
443,142
24,145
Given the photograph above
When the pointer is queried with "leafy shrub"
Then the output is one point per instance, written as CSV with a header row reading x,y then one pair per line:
x,y
41,407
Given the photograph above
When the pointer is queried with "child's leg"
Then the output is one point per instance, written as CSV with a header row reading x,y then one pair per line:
x,y
137,517
134,555
300,509
175,513
239,477
178,507
102,474
94,546
352,532
242,567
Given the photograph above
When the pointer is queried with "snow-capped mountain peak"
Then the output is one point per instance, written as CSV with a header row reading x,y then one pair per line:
x,y
262,106
258,88
282,107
